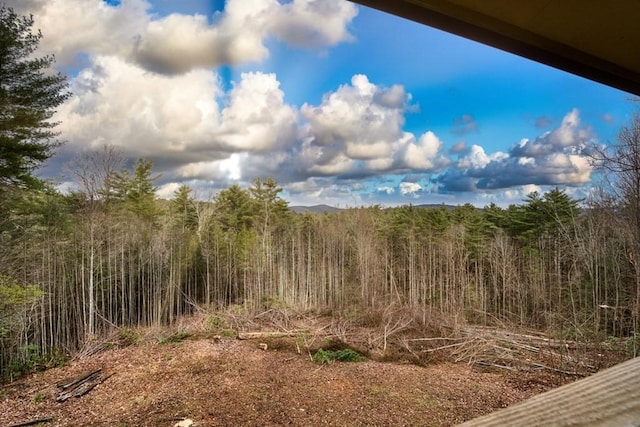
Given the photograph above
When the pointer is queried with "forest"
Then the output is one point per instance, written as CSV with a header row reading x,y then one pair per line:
x,y
111,255
75,266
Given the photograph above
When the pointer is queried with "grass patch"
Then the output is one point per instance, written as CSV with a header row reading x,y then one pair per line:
x,y
324,357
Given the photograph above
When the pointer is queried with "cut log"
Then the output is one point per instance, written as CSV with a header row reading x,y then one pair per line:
x,y
82,378
81,385
275,334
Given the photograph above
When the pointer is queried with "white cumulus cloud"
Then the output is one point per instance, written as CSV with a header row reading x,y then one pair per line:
x,y
117,103
425,153
554,158
314,23
177,43
76,28
177,121
257,119
409,188
358,129
354,118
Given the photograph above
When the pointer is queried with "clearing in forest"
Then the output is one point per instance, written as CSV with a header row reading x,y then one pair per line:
x,y
218,380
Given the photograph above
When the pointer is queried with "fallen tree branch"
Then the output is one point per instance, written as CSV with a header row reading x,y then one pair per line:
x,y
430,350
32,422
435,339
275,334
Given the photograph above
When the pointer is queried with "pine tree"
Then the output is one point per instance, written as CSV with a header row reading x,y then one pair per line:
x,y
136,191
29,94
184,208
269,207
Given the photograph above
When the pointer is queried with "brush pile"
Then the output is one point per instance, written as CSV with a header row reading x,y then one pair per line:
x,y
490,347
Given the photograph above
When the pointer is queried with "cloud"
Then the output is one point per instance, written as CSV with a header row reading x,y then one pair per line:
x,y
568,135
543,122
177,44
608,118
476,158
356,131
410,188
228,169
555,158
325,190
424,154
464,125
73,29
313,23
168,191
459,147
256,118
117,103
513,195
24,7
356,123
177,121
359,118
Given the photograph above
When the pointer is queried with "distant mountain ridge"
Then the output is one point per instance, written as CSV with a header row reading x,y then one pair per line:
x,y
315,209
333,209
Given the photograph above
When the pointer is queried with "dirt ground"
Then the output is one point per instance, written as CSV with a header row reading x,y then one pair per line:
x,y
229,382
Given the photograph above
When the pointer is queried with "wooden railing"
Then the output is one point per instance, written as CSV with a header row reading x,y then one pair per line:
x,y
608,398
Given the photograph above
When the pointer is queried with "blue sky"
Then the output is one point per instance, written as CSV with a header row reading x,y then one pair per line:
x,y
341,104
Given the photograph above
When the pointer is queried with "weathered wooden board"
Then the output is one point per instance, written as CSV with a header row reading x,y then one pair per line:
x,y
609,398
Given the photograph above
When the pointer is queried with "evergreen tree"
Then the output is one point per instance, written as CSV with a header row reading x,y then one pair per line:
x,y
29,94
234,209
495,216
184,208
268,206
136,191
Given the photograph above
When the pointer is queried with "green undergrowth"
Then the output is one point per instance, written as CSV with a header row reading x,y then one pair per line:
x,y
324,357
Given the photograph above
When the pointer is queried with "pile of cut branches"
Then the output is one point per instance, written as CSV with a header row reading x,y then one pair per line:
x,y
491,347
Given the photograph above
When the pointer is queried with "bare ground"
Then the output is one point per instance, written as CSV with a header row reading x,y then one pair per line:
x,y
228,382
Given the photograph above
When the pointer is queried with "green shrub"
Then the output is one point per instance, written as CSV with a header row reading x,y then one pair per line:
x,y
55,358
348,355
27,361
324,357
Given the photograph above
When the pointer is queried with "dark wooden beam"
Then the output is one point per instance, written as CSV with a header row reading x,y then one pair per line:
x,y
485,29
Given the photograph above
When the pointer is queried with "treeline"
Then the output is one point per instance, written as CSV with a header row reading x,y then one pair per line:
x,y
75,266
